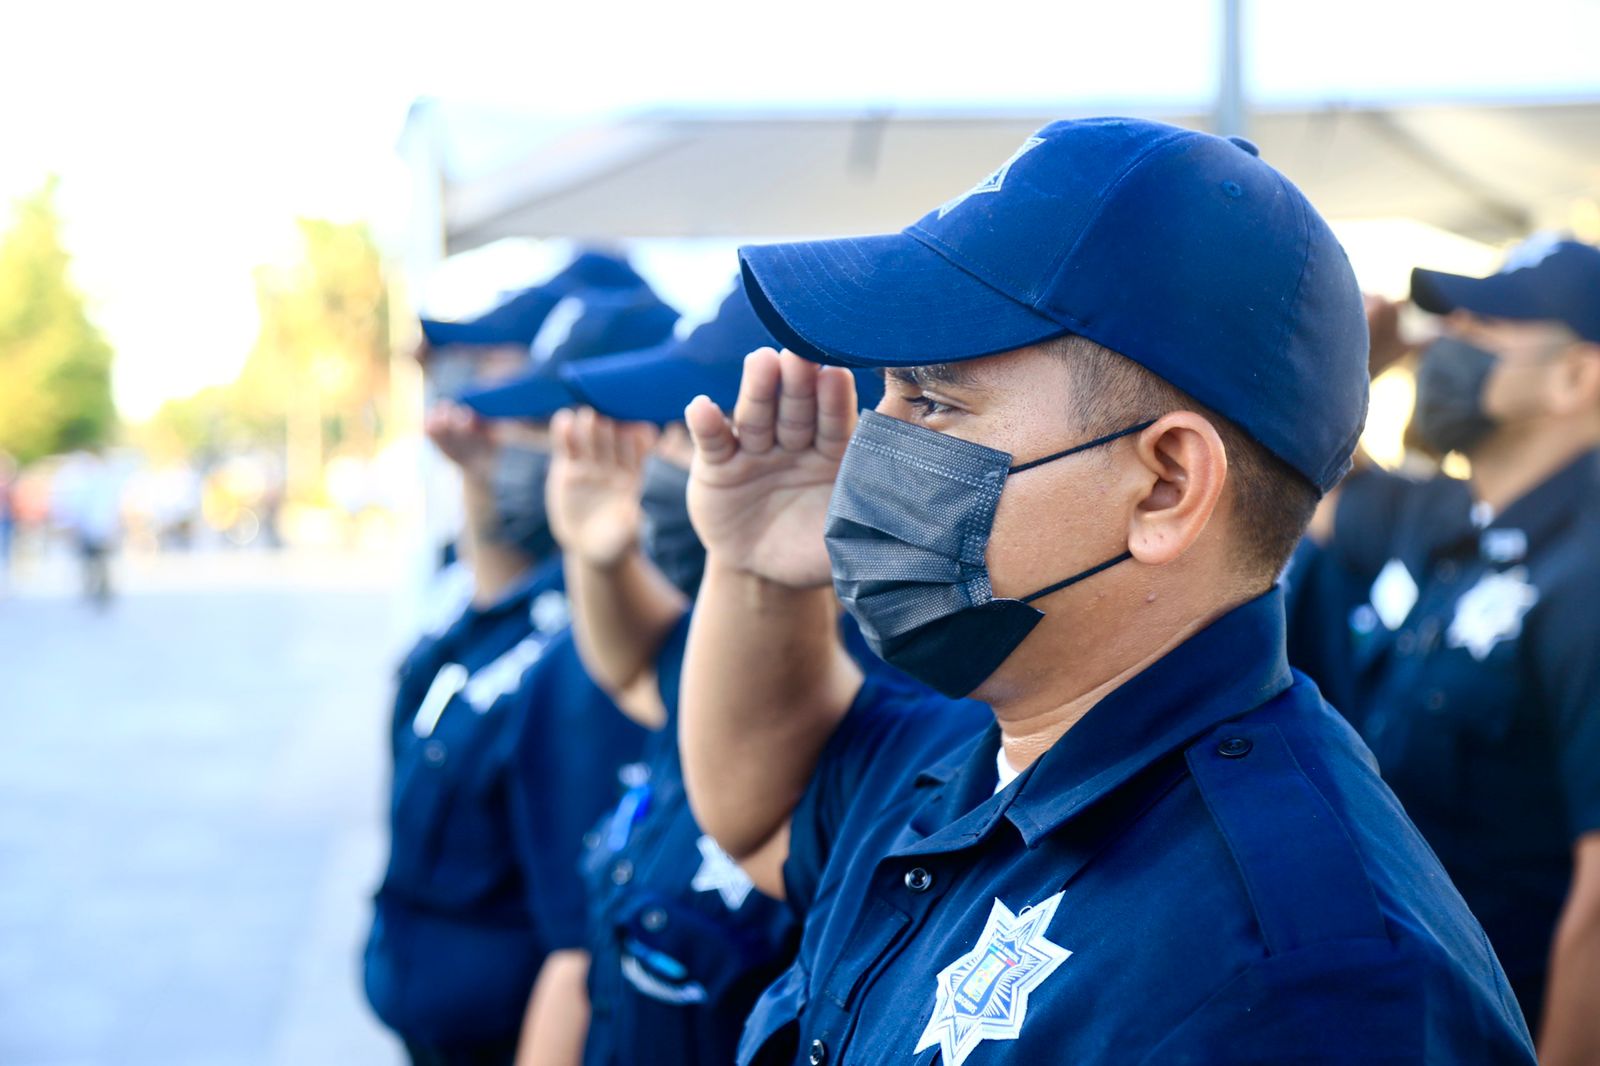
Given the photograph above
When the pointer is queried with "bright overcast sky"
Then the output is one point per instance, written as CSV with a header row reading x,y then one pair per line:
x,y
188,135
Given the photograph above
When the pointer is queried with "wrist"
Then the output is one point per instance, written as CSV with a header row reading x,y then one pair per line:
x,y
608,562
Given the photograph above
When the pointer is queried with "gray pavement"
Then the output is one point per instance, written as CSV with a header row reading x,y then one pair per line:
x,y
190,810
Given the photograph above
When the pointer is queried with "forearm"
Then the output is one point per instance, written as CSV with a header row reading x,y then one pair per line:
x,y
620,617
1570,1033
765,682
496,565
557,1022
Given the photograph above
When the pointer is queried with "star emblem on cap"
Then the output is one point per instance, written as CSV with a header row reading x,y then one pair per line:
x,y
983,995
995,181
720,874
1491,611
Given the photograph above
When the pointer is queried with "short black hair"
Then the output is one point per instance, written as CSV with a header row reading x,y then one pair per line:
x,y
1271,501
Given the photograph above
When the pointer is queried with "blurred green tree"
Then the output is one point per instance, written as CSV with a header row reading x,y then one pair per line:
x,y
55,365
321,360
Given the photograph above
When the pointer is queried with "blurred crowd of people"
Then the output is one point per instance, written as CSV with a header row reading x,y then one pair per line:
x,y
1021,665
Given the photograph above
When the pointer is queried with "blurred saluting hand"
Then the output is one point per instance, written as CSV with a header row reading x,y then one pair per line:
x,y
462,436
592,492
760,482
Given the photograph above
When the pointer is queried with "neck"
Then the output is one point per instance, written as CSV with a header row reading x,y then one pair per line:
x,y
1031,710
1509,466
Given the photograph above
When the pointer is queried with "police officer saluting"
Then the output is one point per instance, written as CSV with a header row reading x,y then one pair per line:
x,y
453,952
1473,654
679,944
1122,370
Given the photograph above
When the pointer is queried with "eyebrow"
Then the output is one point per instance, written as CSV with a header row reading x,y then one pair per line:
x,y
955,375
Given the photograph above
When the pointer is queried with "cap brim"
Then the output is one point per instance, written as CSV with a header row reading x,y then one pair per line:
x,y
535,396
883,301
444,334
1499,296
650,385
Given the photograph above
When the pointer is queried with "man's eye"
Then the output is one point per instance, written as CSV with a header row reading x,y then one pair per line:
x,y
928,407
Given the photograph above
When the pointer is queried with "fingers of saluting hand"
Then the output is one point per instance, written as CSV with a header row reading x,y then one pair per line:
x,y
634,441
710,430
755,414
563,434
797,403
836,410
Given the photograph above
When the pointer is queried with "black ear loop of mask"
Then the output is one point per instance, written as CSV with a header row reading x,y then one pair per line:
x,y
1075,449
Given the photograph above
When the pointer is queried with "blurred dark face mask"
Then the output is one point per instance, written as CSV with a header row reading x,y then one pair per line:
x,y
517,483
668,537
907,530
1449,415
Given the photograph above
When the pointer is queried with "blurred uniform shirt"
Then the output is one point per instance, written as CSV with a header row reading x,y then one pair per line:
x,y
681,942
452,954
1467,654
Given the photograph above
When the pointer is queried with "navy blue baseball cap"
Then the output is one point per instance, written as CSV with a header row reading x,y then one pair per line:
x,y
609,321
1180,250
518,319
653,384
1555,281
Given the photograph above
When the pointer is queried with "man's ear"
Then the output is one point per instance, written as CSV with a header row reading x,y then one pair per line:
x,y
1187,465
1574,383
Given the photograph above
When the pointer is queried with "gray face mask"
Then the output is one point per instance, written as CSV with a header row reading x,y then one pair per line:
x,y
517,484
907,530
668,537
1449,414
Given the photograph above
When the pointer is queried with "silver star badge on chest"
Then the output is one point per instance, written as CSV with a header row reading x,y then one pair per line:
x,y
720,874
1491,611
983,995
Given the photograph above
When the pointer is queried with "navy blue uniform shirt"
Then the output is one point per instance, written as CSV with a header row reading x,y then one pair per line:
x,y
572,752
451,956
1472,650
1204,869
681,942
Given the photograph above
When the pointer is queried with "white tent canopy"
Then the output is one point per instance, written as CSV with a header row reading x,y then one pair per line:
x,y
1487,171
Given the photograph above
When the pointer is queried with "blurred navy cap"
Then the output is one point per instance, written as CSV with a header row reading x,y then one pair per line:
x,y
518,319
1550,280
1182,251
600,322
655,384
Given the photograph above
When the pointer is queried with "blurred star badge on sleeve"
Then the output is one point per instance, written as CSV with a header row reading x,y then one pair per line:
x,y
1492,611
1394,593
983,995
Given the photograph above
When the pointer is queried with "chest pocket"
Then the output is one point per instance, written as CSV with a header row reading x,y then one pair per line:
x,y
1478,699
771,1034
450,822
674,952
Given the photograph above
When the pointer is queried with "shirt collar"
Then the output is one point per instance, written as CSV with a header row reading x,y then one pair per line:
x,y
1229,668
1545,509
536,579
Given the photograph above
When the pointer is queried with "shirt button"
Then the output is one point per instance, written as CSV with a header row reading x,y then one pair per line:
x,y
819,1053
1234,748
1436,700
1405,643
433,753
654,920
918,879
622,872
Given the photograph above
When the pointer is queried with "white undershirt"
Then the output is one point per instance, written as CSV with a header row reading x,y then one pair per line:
x,y
1002,766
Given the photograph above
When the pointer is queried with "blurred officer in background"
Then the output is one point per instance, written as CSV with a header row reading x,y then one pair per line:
x,y
1472,651
452,955
8,517
1123,368
679,945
